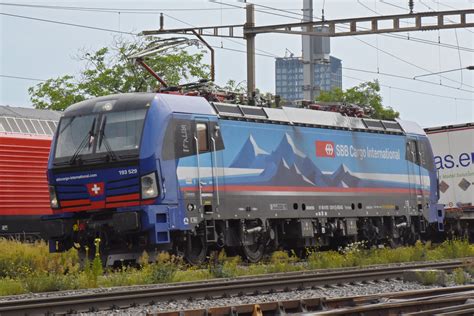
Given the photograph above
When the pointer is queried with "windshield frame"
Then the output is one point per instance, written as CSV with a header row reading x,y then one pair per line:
x,y
97,157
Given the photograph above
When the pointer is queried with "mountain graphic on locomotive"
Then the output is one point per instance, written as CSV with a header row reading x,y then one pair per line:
x,y
155,171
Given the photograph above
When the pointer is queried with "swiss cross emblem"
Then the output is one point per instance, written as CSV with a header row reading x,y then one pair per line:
x,y
95,189
325,149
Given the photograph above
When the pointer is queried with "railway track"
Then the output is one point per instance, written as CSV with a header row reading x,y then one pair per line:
x,y
210,289
441,301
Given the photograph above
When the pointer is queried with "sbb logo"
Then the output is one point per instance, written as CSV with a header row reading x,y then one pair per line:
x,y
325,149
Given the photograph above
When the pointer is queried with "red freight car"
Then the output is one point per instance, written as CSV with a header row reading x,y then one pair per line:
x,y
25,139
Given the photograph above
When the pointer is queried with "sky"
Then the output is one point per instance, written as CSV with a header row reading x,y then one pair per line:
x,y
35,49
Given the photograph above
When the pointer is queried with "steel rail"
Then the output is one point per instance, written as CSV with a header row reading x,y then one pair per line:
x,y
452,301
216,288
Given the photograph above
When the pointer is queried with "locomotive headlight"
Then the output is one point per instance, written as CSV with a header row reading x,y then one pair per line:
x,y
53,199
149,186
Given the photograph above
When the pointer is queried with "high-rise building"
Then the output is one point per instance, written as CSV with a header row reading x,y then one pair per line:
x,y
289,76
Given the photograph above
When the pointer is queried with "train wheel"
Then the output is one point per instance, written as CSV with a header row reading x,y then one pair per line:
x,y
196,250
253,253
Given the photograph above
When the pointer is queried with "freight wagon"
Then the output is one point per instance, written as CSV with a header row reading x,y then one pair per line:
x,y
159,171
453,148
25,139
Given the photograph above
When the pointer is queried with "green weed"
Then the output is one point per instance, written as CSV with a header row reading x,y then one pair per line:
x,y
281,261
31,268
459,276
428,277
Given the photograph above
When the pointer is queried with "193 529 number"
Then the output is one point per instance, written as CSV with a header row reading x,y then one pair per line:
x,y
125,172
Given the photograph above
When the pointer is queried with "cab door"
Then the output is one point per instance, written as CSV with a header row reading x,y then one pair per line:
x,y
415,175
205,161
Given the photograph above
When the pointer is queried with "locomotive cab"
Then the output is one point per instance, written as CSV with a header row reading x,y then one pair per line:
x,y
105,176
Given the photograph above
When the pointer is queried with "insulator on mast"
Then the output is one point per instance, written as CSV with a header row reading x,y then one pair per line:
x,y
411,4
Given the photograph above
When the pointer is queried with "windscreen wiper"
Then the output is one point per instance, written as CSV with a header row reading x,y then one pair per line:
x,y
88,139
103,138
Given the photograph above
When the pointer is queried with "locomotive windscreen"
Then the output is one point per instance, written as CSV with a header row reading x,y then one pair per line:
x,y
107,134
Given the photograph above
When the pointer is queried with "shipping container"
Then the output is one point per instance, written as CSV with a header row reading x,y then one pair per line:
x,y
453,148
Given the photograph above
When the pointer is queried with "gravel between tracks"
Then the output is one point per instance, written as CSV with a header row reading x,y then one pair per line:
x,y
333,291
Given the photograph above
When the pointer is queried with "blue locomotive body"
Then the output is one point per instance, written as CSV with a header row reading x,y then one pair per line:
x,y
160,171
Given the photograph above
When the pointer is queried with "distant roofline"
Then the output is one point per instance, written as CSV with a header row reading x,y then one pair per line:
x,y
29,113
300,58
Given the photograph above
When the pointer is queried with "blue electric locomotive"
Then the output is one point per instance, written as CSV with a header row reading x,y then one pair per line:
x,y
156,172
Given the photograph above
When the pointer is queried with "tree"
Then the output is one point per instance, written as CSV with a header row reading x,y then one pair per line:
x,y
109,71
365,94
232,86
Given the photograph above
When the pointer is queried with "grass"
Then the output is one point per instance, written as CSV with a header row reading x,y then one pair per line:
x,y
460,277
429,277
26,268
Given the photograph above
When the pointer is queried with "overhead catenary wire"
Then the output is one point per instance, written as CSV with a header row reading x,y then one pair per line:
x,y
394,5
108,10
234,7
135,34
267,54
377,48
22,78
68,24
411,38
406,78
457,40
228,39
396,36
413,91
346,76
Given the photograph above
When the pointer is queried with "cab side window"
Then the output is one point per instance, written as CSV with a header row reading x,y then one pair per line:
x,y
412,152
202,136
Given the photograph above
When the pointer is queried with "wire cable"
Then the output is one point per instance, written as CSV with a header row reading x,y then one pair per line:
x,y
381,50
21,78
269,55
108,10
67,24
397,36
406,78
228,39
412,91
394,5
155,11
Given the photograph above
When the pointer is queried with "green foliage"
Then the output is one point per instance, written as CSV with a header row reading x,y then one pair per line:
x,y
44,282
221,266
164,268
428,277
11,287
55,93
325,260
18,259
282,261
124,276
192,274
31,268
460,277
452,249
365,94
232,86
109,70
